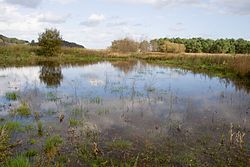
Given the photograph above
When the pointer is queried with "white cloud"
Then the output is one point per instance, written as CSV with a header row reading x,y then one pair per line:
x,y
25,3
239,7
52,18
93,20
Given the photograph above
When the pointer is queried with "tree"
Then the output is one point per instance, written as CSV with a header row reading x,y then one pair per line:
x,y
154,45
50,42
144,46
125,45
170,47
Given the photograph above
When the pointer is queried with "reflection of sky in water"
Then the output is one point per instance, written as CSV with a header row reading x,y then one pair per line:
x,y
103,79
156,94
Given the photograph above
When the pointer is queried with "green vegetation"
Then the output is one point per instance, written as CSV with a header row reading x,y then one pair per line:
x,y
97,100
125,45
52,96
4,144
120,144
32,141
40,128
6,41
11,96
19,161
52,145
234,67
31,153
200,45
13,126
97,149
22,110
73,122
50,42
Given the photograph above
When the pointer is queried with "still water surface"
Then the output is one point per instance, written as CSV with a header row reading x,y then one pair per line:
x,y
131,100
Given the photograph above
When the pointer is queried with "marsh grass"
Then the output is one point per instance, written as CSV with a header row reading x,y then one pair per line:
x,y
31,153
19,161
224,64
120,144
19,55
4,144
39,128
97,100
32,141
52,96
13,126
12,96
22,110
73,122
51,146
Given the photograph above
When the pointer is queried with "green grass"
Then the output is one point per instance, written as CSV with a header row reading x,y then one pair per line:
x,y
19,161
4,144
40,128
22,110
11,96
52,96
31,153
97,100
52,143
13,126
32,141
120,144
73,122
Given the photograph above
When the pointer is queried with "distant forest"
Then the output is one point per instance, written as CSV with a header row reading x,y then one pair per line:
x,y
200,45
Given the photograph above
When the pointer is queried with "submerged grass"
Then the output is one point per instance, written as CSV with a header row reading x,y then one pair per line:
x,y
22,110
11,96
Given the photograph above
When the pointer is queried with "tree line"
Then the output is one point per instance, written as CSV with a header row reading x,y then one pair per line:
x,y
130,45
200,45
180,45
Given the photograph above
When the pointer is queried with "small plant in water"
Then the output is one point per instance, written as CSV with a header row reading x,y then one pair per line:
x,y
32,141
13,126
97,100
73,122
11,96
23,110
52,96
40,128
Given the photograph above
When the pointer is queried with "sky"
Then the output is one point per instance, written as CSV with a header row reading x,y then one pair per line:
x,y
96,23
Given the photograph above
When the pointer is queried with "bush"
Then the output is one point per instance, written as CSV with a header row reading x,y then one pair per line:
x,y
50,42
170,47
125,45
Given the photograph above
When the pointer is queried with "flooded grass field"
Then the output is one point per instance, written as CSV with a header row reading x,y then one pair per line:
x,y
121,114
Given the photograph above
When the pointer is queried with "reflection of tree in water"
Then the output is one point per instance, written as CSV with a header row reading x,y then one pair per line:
x,y
51,74
125,66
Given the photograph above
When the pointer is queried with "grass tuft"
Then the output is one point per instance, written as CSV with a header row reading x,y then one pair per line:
x,y
51,145
11,96
19,161
22,110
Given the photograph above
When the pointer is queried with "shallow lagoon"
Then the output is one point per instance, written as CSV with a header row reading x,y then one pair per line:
x,y
132,112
